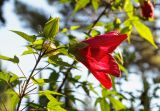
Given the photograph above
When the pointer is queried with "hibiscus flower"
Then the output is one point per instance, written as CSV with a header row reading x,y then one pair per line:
x,y
96,56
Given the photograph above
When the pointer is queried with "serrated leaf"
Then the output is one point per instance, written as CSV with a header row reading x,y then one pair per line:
x,y
51,28
14,60
30,38
116,104
144,31
81,4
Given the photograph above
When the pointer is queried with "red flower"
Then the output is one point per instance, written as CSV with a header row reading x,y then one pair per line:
x,y
96,56
147,9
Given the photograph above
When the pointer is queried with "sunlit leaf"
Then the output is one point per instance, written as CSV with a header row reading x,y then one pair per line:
x,y
104,105
8,77
81,4
29,51
30,38
40,82
144,31
51,28
47,92
116,104
37,44
74,27
128,7
14,99
14,60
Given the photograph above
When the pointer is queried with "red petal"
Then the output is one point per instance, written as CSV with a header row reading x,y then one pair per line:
x,y
107,41
104,79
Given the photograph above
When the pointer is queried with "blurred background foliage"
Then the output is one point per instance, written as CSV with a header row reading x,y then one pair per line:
x,y
141,58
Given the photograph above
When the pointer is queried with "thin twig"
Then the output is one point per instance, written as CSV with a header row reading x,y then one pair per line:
x,y
21,70
34,56
30,90
41,69
25,85
95,22
65,78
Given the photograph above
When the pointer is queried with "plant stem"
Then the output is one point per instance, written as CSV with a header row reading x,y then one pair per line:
x,y
27,81
65,78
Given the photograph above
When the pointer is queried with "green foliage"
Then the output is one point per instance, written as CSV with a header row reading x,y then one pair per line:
x,y
95,4
8,77
141,28
51,28
14,60
29,51
53,104
55,60
62,82
80,4
128,7
29,38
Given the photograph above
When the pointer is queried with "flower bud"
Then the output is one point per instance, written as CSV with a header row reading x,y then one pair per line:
x,y
49,48
147,9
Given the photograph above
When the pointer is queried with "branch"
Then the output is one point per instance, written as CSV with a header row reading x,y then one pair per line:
x,y
95,22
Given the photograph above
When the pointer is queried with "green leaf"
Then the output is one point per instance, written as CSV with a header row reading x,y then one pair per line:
x,y
30,38
37,44
128,7
64,30
48,92
51,28
29,51
13,78
116,104
104,105
55,60
53,104
91,88
74,27
144,31
8,77
14,60
95,4
81,4
123,69
14,99
40,82
4,76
